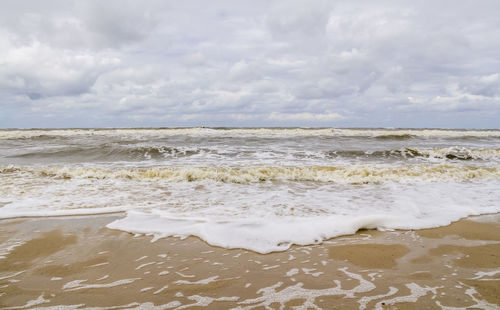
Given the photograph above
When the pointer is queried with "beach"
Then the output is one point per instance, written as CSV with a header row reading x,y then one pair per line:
x,y
77,263
249,155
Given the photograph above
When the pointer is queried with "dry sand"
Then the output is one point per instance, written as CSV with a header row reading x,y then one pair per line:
x,y
78,263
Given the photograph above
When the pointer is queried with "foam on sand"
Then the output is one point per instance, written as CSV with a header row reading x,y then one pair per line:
x,y
277,233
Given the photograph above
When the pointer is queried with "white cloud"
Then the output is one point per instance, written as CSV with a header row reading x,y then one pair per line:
x,y
38,70
322,117
347,63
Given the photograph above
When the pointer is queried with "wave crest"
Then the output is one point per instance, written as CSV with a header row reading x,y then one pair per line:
x,y
388,134
454,153
357,174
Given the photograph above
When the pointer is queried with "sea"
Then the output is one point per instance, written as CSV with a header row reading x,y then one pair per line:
x,y
261,189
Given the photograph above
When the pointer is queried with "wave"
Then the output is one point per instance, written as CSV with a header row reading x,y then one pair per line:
x,y
450,153
117,152
356,174
398,134
114,152
454,153
402,136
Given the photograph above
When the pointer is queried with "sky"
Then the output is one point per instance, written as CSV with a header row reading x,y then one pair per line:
x,y
250,63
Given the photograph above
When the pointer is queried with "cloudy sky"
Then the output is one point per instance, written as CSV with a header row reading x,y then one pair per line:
x,y
250,63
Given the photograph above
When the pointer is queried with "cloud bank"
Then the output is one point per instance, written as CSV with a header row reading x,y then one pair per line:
x,y
258,63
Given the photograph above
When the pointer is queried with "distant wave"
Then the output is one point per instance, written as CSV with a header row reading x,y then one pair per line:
x,y
113,152
203,131
454,153
116,152
356,174
450,153
401,136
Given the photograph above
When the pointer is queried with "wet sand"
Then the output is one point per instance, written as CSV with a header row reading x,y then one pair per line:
x,y
76,262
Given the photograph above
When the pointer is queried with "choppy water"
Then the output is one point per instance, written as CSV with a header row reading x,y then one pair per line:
x,y
258,188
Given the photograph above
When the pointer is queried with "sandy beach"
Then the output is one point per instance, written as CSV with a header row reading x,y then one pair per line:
x,y
77,263
249,155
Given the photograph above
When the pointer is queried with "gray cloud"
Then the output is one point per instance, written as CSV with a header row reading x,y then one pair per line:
x,y
320,63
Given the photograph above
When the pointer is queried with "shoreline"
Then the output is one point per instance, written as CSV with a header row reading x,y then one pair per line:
x,y
76,261
117,215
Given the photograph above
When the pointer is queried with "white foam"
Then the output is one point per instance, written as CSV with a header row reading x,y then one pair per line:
x,y
203,281
203,301
351,174
263,216
363,301
11,275
144,265
15,211
160,290
271,294
416,292
79,284
31,303
479,304
264,236
147,289
482,274
253,218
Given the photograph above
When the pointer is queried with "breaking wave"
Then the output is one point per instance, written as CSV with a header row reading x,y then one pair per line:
x,y
114,152
356,174
452,153
401,136
386,134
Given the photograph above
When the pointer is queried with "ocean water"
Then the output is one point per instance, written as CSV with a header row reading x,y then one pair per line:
x,y
261,189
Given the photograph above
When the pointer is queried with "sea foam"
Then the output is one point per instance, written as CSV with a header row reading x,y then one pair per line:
x,y
271,227
353,174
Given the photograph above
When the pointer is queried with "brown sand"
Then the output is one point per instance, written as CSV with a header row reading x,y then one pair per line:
x,y
380,255
77,261
465,229
482,256
22,256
